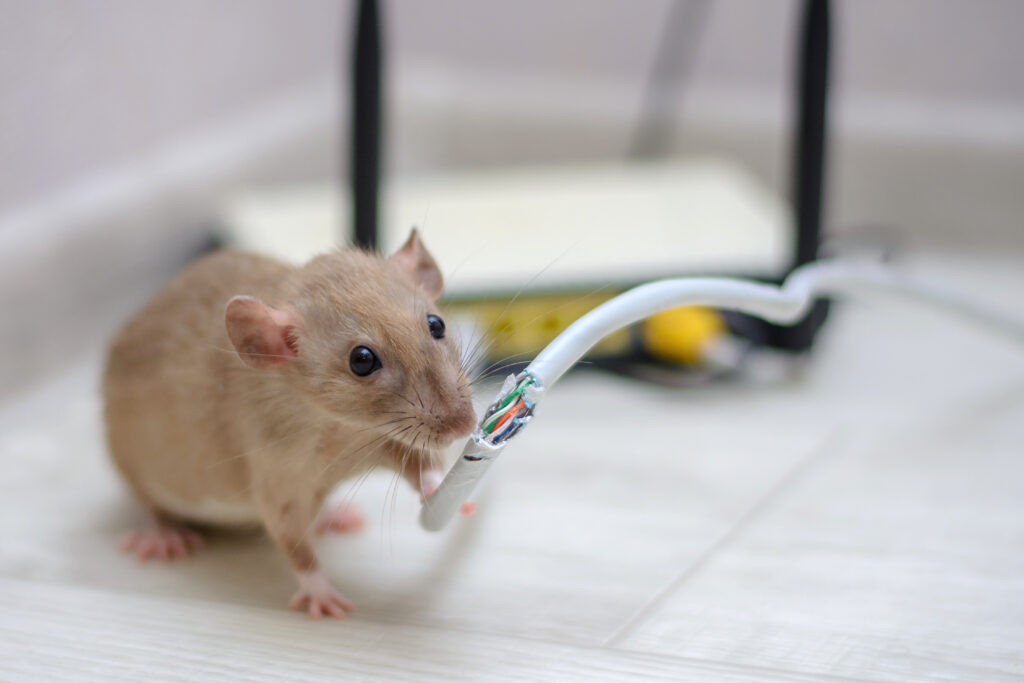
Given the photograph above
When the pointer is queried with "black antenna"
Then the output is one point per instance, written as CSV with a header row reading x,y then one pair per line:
x,y
808,181
366,124
809,160
809,152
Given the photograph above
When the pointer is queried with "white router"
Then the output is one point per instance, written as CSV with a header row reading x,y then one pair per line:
x,y
545,228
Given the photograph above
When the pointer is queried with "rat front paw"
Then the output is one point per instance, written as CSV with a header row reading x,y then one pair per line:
x,y
165,541
316,592
428,482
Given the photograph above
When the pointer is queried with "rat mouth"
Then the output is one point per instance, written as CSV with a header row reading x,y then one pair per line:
x,y
443,428
463,429
420,440
424,428
459,424
427,444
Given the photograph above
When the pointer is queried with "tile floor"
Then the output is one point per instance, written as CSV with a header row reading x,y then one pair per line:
x,y
865,522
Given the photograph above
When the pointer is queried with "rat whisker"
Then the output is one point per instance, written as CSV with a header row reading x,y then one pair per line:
x,y
385,424
496,334
379,441
404,398
393,434
467,348
393,483
354,488
498,366
239,378
258,449
477,350
331,463
350,492
410,449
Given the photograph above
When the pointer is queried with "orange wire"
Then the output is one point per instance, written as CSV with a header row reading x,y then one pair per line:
x,y
507,416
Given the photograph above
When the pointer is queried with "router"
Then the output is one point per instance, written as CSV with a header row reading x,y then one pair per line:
x,y
553,241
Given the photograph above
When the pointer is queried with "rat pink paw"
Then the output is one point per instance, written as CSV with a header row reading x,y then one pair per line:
x,y
468,509
340,518
317,592
162,542
429,481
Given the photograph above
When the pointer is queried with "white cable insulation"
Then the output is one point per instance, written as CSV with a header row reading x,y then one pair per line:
x,y
458,485
784,304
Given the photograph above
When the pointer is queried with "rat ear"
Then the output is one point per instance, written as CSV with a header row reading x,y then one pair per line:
x,y
416,262
264,337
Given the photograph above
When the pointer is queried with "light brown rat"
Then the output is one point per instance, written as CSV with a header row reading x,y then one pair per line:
x,y
246,390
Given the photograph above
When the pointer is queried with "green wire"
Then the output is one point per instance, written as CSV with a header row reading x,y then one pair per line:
x,y
518,390
493,419
505,405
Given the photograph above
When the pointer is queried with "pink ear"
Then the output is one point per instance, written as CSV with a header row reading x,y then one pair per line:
x,y
414,259
263,336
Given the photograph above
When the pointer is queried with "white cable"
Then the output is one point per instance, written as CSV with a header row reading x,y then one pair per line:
x,y
459,484
784,304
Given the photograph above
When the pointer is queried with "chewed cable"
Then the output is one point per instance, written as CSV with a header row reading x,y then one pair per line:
x,y
518,398
510,413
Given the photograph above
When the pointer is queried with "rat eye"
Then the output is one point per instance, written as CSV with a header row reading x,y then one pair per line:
x,y
436,326
363,361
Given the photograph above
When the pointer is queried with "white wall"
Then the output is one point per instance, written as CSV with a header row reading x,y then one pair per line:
x,y
86,85
917,53
89,85
123,122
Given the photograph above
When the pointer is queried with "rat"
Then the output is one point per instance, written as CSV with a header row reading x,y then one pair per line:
x,y
248,389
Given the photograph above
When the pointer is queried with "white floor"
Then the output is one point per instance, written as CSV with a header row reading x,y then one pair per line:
x,y
866,522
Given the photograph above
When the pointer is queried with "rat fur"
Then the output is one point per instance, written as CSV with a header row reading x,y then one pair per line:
x,y
230,400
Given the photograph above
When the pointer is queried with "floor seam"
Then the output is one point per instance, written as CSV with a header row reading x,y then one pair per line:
x,y
792,475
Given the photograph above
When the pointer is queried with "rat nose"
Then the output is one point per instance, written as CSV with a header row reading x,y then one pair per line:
x,y
450,405
460,419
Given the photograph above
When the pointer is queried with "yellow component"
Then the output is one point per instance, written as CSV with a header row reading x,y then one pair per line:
x,y
520,330
680,335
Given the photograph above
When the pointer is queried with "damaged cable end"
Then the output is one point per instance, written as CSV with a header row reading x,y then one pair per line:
x,y
511,411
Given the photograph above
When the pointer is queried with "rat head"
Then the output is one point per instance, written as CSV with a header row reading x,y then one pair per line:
x,y
361,336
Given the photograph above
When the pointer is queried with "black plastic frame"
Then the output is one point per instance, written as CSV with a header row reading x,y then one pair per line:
x,y
809,154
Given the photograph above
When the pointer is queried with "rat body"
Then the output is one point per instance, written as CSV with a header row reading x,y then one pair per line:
x,y
248,389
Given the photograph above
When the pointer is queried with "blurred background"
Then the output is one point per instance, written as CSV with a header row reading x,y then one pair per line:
x,y
130,132
864,523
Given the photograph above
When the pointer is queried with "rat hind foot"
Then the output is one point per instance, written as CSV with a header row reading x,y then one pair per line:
x,y
340,518
165,541
316,591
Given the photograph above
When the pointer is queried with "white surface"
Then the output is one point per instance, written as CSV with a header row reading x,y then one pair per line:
x,y
547,226
867,522
784,304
